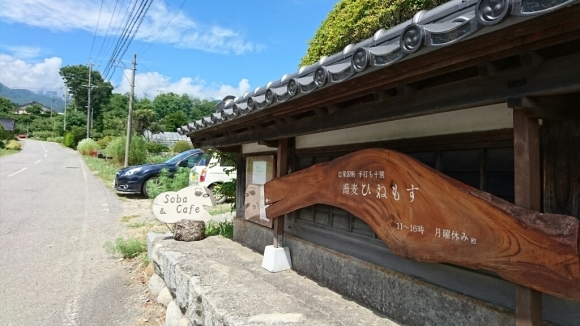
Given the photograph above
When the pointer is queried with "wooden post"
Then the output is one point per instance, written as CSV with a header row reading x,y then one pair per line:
x,y
527,195
281,169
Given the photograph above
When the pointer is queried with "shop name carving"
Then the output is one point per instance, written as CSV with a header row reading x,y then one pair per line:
x,y
382,192
181,207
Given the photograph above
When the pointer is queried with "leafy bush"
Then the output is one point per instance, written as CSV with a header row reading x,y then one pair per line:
x,y
181,146
43,134
156,148
225,229
165,182
155,159
87,146
2,144
137,152
14,145
103,142
55,139
69,140
79,133
126,248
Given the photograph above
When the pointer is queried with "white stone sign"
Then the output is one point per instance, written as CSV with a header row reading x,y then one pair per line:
x,y
185,204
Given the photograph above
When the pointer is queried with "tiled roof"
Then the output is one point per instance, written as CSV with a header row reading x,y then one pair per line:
x,y
444,25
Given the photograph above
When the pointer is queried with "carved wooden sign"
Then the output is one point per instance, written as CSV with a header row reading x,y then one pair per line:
x,y
424,215
185,204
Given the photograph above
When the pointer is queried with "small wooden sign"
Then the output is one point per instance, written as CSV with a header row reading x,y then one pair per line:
x,y
425,215
185,204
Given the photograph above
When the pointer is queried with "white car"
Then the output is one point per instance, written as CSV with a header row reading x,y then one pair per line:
x,y
212,170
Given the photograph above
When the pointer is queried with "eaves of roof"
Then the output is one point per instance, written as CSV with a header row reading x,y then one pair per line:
x,y
451,23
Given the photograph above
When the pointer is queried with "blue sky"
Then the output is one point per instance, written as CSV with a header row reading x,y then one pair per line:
x,y
206,49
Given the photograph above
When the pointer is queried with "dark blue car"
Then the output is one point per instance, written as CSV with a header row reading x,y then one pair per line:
x,y
134,179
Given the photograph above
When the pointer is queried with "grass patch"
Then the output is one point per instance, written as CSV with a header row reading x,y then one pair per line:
x,y
127,218
137,225
104,170
127,248
225,229
219,209
6,152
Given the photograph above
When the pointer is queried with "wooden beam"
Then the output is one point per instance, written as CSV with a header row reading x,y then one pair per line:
x,y
488,69
555,107
530,59
381,96
281,170
332,108
527,195
556,75
269,143
404,90
320,111
230,149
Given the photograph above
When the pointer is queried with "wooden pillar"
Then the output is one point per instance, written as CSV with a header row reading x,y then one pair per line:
x,y
281,169
528,195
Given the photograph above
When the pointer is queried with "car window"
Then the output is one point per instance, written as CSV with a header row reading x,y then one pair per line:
x,y
204,160
178,158
192,160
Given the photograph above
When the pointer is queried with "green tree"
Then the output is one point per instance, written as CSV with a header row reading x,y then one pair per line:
x,y
351,21
168,103
174,120
76,78
142,120
114,115
6,107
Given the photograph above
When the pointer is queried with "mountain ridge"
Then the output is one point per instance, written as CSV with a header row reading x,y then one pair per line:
x,y
23,96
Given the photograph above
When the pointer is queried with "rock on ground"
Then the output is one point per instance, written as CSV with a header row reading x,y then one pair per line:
x,y
189,230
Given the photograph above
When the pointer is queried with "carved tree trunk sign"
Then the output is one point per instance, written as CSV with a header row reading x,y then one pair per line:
x,y
424,215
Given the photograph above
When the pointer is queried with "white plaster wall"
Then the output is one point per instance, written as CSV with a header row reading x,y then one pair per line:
x,y
492,117
256,148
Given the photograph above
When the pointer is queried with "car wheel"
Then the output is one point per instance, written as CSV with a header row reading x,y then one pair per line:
x,y
151,182
219,198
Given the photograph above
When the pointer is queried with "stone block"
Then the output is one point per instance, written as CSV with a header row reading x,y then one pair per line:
x,y
164,297
156,284
173,314
189,230
276,259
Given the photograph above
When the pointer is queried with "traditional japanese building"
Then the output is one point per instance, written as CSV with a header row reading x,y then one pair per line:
x,y
486,93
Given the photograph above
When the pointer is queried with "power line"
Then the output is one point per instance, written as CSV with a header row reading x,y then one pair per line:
x,y
164,28
128,31
136,29
96,29
108,27
120,34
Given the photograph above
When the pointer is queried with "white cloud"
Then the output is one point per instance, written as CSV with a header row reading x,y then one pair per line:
x,y
160,25
152,83
23,52
37,77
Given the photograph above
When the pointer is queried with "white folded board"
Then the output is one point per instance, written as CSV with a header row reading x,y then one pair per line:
x,y
185,204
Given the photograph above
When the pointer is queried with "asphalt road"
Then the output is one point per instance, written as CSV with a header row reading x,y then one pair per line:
x,y
55,217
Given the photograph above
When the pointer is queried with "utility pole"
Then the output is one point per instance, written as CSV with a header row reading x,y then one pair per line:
x,y
65,95
130,115
89,86
51,103
51,108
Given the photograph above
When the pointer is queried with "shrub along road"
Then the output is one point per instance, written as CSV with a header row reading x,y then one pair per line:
x,y
55,217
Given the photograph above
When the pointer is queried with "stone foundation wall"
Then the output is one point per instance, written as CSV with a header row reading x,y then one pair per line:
x,y
404,299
